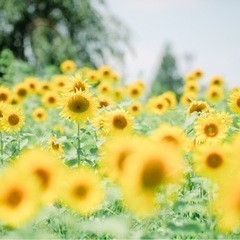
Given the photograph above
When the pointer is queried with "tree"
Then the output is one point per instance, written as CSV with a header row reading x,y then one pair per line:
x,y
167,77
48,31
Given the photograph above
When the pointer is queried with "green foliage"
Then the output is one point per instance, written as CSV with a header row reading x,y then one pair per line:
x,y
167,77
47,32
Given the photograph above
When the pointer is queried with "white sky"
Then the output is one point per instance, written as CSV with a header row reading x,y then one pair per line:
x,y
207,29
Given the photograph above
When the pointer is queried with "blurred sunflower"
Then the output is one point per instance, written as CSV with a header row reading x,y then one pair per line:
x,y
187,98
50,99
39,114
157,105
198,106
44,86
15,99
19,198
105,101
214,161
47,170
118,93
32,84
68,66
54,146
198,73
191,87
4,94
234,101
92,76
173,136
135,90
217,81
82,191
12,120
170,97
214,93
59,82
104,88
105,72
21,90
117,122
135,108
78,106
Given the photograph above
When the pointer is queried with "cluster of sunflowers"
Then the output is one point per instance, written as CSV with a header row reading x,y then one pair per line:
x,y
150,167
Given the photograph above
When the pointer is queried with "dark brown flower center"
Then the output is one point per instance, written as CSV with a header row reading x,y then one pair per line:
x,y
122,158
211,130
13,119
238,102
55,146
152,174
159,106
14,198
3,97
43,176
135,92
79,86
51,99
119,122
80,191
22,92
170,139
39,115
78,104
103,103
197,108
214,160
135,108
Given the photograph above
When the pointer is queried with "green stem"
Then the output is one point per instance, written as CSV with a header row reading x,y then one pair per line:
x,y
78,143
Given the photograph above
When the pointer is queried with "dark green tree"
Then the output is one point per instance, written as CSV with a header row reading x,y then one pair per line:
x,y
46,32
167,77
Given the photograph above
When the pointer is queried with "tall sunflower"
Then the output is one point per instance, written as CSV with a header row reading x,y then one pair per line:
x,y
78,106
13,119
117,122
82,191
210,127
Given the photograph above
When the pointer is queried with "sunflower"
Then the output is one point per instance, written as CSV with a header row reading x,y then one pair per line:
x,y
105,101
118,93
217,81
15,99
12,120
50,99
78,106
58,128
170,97
4,94
59,82
210,127
198,73
46,168
39,114
214,93
44,86
105,72
117,122
104,88
3,108
135,90
157,105
21,90
114,153
214,161
190,77
115,77
234,101
55,146
92,76
187,98
32,84
68,66
198,106
173,136
82,191
19,198
191,87
76,83
135,108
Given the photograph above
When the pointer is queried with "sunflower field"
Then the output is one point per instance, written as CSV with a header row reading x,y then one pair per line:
x,y
84,156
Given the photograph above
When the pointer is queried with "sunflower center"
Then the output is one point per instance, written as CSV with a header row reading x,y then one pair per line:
x,y
134,92
103,103
104,89
135,108
55,146
79,86
170,139
159,106
192,88
152,174
39,115
1,113
119,122
78,104
80,191
32,85
106,72
51,100
214,94
3,97
197,108
45,87
238,102
211,130
14,198
22,92
61,84
13,119
214,160
121,159
43,176
216,82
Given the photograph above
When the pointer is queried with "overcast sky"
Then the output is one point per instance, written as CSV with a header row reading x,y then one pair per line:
x,y
207,29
